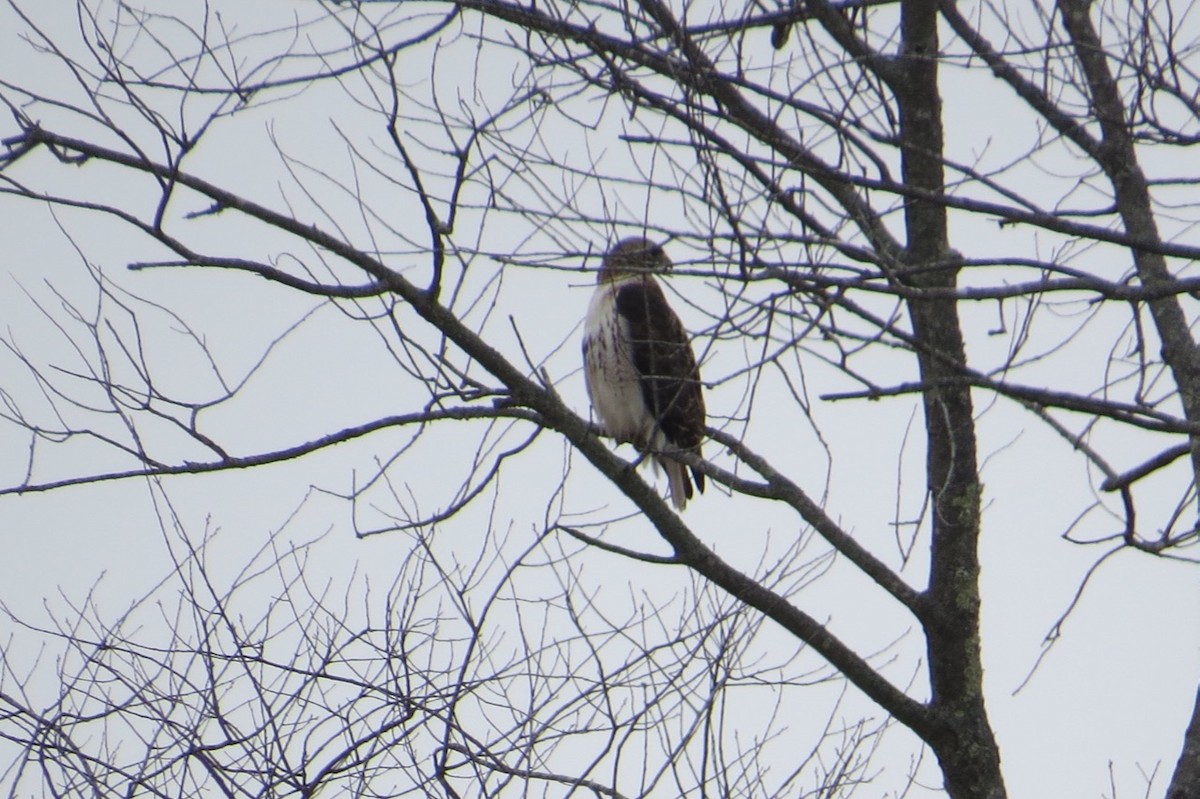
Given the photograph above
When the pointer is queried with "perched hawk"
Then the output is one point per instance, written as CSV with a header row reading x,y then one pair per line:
x,y
641,373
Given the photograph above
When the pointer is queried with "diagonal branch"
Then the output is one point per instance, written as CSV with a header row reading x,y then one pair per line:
x,y
555,415
778,486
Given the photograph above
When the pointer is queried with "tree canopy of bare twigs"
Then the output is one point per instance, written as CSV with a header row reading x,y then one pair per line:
x,y
291,351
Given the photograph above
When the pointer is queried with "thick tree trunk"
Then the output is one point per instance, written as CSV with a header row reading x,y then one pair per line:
x,y
960,734
1185,784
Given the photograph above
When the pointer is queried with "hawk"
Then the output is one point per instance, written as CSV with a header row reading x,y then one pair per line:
x,y
641,373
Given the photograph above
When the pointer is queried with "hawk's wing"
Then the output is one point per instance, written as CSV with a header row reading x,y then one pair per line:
x,y
666,366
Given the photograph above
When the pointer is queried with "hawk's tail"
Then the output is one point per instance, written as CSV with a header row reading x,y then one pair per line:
x,y
680,483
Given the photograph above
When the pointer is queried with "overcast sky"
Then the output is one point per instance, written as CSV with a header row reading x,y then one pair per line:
x,y
1117,688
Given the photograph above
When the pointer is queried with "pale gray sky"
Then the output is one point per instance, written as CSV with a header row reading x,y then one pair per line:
x,y
1117,688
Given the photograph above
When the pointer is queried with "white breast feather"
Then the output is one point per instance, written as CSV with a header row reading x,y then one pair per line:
x,y
612,379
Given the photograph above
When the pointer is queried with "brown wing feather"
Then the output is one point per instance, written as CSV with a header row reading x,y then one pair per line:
x,y
662,354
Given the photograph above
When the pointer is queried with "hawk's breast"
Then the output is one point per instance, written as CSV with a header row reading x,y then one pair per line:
x,y
613,382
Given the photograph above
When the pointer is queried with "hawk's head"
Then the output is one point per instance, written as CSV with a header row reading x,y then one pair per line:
x,y
633,256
